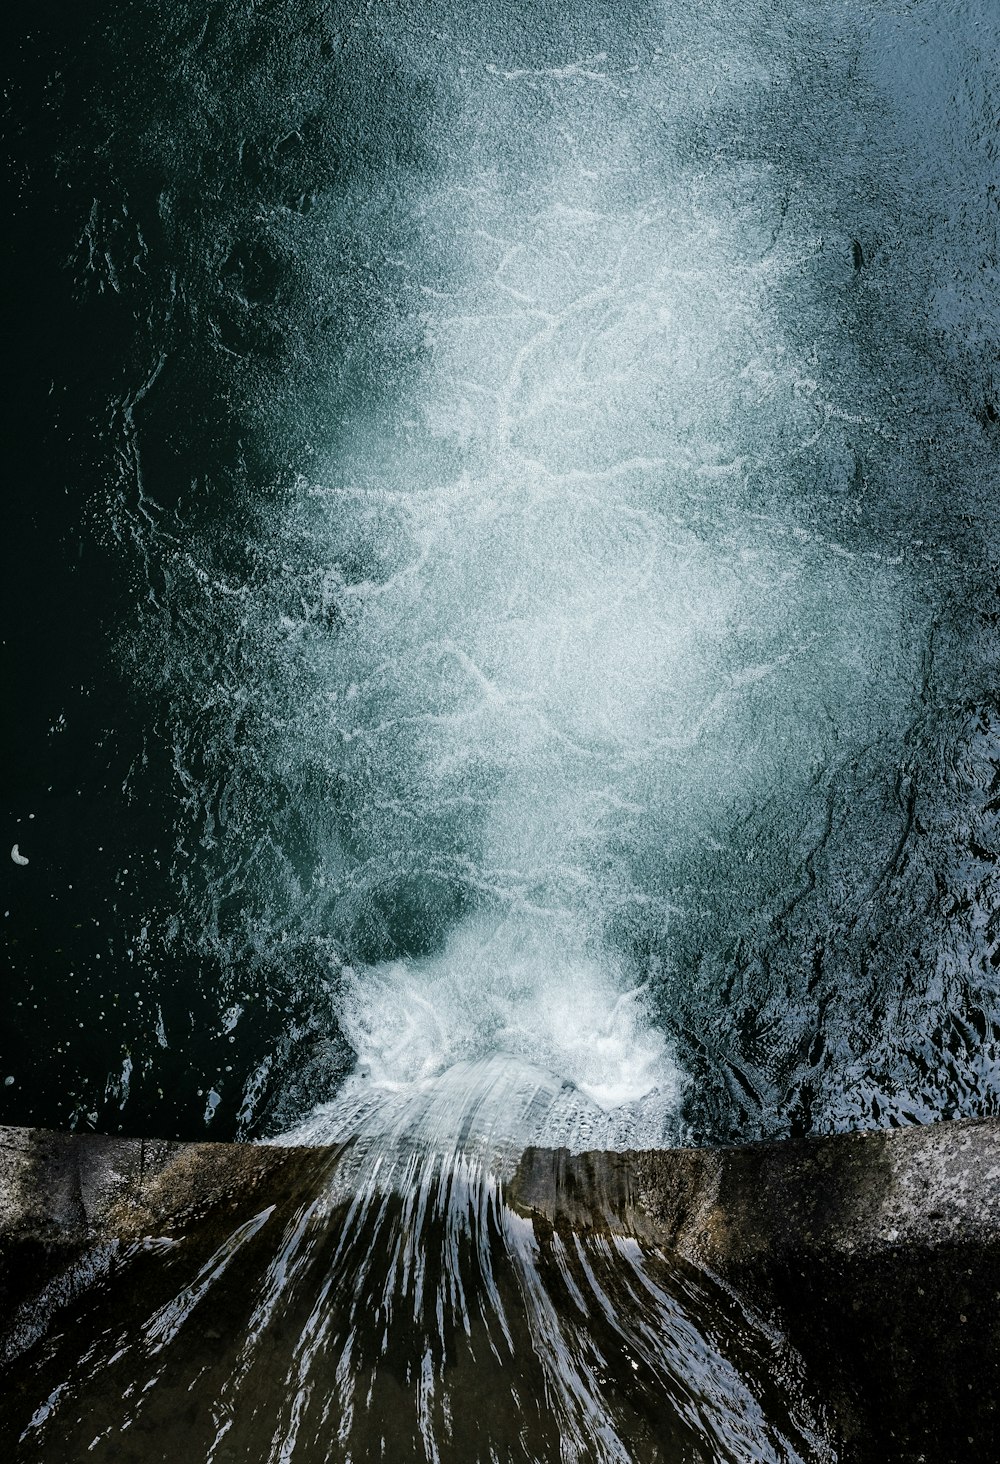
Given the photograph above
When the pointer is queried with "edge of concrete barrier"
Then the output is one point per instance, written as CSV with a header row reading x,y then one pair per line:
x,y
877,1254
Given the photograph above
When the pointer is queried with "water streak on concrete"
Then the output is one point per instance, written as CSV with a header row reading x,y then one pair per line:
x,y
876,1255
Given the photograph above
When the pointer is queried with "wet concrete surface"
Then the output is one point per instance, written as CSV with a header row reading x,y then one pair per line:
x,y
875,1255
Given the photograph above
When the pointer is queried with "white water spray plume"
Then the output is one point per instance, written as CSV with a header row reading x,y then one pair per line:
x,y
565,694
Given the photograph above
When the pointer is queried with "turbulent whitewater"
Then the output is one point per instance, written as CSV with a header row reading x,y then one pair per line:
x,y
579,684
547,468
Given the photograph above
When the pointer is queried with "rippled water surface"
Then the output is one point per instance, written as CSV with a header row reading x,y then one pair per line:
x,y
502,512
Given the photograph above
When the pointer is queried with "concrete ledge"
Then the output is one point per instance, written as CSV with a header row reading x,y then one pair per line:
x,y
878,1255
725,1208
70,1189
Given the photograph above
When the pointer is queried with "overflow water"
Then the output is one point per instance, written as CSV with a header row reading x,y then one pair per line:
x,y
398,1306
541,530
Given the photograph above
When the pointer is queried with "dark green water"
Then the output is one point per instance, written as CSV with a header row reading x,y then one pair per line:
x,y
501,557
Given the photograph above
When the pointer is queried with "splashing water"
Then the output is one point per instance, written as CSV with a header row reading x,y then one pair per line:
x,y
565,637
514,990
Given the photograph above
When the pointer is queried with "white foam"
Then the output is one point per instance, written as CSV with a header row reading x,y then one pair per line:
x,y
511,986
556,672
